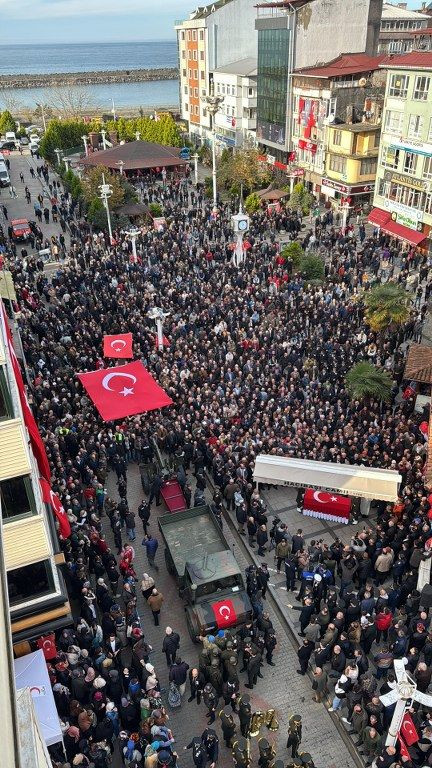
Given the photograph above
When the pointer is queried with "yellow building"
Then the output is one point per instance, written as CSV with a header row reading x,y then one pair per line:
x,y
351,161
38,599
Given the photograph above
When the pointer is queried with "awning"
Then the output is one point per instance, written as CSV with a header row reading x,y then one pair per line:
x,y
404,233
379,217
31,672
346,479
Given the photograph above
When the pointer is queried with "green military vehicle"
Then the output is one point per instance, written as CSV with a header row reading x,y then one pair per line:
x,y
209,579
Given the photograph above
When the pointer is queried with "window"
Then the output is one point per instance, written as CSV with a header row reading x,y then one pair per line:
x,y
30,582
197,110
410,162
189,55
427,168
195,74
415,126
186,107
393,121
400,193
183,54
204,113
196,92
250,91
190,74
368,166
194,35
390,157
188,34
201,55
430,130
428,203
17,498
421,88
182,35
195,55
202,74
186,90
383,188
184,72
398,85
337,138
201,34
337,163
6,407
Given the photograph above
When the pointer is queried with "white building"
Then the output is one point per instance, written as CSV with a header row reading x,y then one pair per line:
x,y
236,121
398,23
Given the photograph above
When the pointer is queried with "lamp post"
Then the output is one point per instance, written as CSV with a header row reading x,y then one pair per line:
x,y
120,164
59,155
113,111
195,159
66,161
213,104
85,140
106,191
103,134
157,314
133,234
41,107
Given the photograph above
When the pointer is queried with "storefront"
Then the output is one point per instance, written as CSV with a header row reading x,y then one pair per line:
x,y
405,225
360,194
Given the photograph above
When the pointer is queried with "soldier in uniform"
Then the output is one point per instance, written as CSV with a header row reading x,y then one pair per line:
x,y
245,714
199,755
294,734
228,725
211,699
240,753
306,759
266,753
210,741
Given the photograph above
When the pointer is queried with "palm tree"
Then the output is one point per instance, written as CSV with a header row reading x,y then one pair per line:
x,y
365,380
387,306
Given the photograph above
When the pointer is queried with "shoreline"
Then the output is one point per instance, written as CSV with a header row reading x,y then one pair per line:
x,y
98,77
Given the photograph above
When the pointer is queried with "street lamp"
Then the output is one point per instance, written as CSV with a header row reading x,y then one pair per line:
x,y
120,164
85,140
133,234
106,191
59,155
213,104
137,135
41,107
103,134
195,159
157,314
113,110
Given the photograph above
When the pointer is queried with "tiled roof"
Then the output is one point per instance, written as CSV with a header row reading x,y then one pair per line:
x,y
418,366
413,60
391,11
346,64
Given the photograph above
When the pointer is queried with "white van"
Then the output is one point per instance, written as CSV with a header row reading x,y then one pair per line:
x,y
4,175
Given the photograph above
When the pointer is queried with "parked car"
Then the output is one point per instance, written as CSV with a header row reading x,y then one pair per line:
x,y
7,145
34,138
24,141
21,230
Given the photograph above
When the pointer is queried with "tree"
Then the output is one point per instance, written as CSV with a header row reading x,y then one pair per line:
x,y
387,306
64,134
92,181
312,267
70,101
293,252
7,123
365,380
252,203
155,210
301,198
244,168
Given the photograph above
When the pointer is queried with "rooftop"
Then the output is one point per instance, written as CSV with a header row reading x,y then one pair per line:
x,y
356,127
134,155
242,67
418,365
205,10
412,60
391,11
345,64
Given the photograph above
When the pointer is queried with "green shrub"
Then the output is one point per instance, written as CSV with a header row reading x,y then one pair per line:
x,y
293,252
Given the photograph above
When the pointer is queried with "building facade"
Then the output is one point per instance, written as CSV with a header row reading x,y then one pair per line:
x,y
403,191
398,24
351,162
38,598
236,121
297,35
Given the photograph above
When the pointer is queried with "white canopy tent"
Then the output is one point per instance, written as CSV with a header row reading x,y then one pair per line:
x,y
346,479
31,672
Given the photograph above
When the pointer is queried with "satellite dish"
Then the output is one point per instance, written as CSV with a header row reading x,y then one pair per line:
x,y
362,82
330,119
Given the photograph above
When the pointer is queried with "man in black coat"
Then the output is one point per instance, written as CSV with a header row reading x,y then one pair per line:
x,y
253,668
197,682
170,645
178,674
304,653
211,744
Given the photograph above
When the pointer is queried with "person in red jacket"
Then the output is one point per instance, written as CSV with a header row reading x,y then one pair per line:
x,y
383,622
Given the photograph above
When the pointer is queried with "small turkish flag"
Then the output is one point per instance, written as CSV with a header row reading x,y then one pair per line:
x,y
403,749
119,346
53,500
48,646
124,390
225,614
165,341
408,730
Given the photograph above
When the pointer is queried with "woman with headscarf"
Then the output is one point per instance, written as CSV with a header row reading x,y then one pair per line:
x,y
71,742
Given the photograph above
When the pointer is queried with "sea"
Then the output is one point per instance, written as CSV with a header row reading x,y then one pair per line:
x,y
79,57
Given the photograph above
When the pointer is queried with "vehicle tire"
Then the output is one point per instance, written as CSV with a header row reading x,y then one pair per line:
x,y
169,563
192,629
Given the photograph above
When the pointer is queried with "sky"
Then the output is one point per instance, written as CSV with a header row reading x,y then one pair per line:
x,y
85,21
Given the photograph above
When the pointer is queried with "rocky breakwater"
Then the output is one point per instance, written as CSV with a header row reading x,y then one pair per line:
x,y
61,79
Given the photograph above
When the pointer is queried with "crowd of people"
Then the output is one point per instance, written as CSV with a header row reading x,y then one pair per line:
x,y
256,363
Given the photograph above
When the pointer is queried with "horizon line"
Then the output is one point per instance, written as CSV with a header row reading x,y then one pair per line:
x,y
90,42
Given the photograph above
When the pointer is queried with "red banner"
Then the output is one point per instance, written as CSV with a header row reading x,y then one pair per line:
x,y
54,502
408,730
224,613
165,341
309,145
48,646
328,506
119,346
37,444
124,390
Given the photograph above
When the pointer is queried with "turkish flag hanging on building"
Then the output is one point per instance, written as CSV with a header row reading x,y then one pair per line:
x,y
224,613
48,646
37,444
119,346
408,730
124,390
54,502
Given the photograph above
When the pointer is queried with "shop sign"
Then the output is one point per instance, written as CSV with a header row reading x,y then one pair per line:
x,y
411,214
297,172
309,145
328,191
407,221
348,189
226,140
336,185
409,181
418,147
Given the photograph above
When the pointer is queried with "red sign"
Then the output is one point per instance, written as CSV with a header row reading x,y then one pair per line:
x,y
224,613
119,346
309,145
54,502
355,189
297,172
124,390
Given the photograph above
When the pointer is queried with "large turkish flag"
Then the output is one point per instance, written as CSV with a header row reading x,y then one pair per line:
x,y
119,346
54,502
37,444
124,390
321,501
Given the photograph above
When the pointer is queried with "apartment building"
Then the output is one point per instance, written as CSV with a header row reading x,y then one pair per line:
x,y
38,600
211,38
398,24
236,121
403,191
